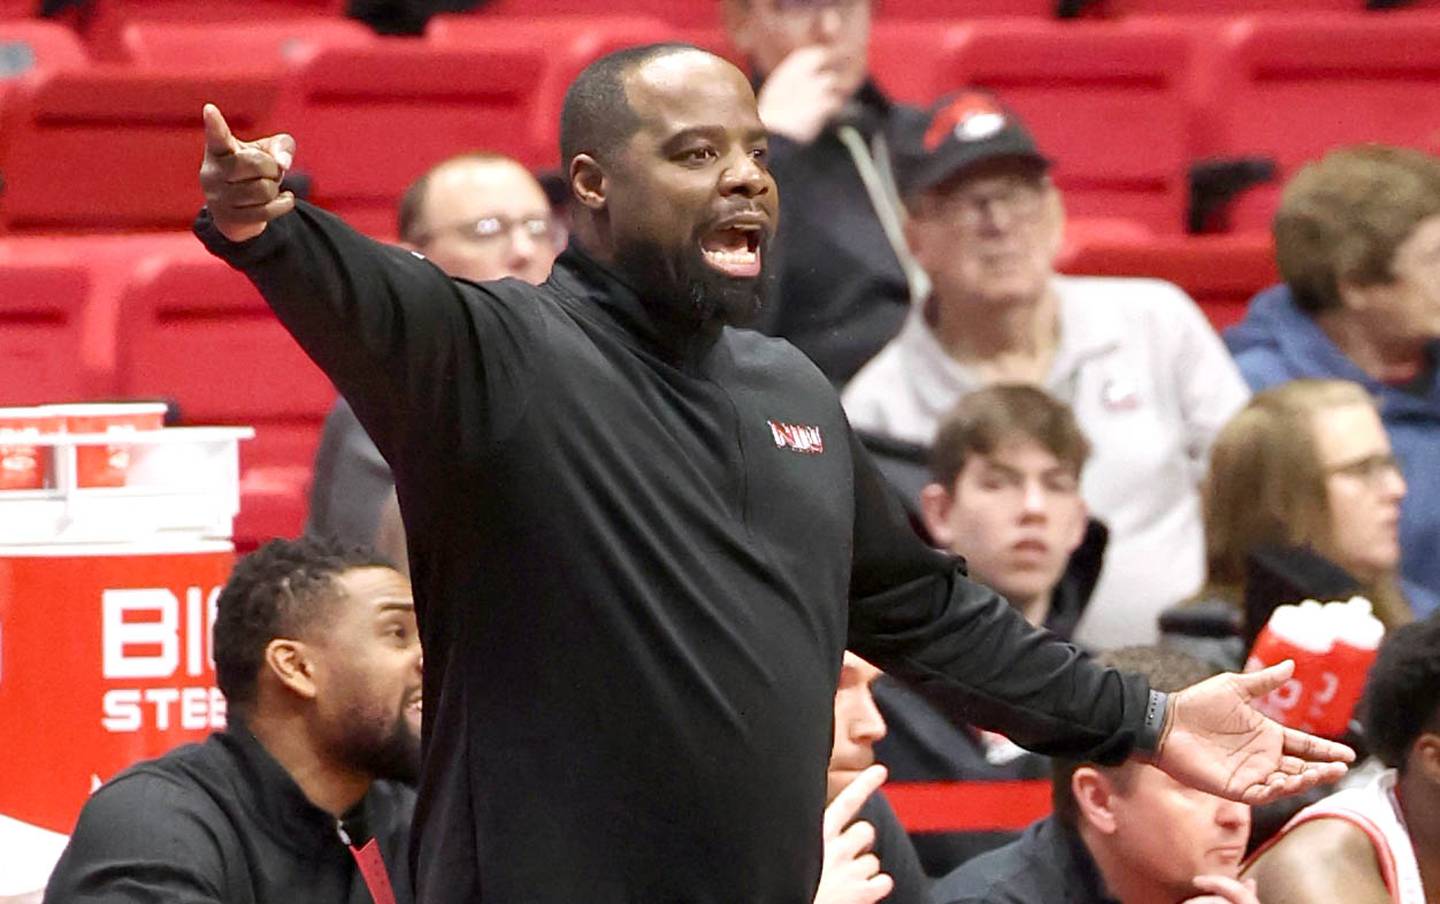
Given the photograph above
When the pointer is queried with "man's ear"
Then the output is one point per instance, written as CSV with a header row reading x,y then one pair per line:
x,y
1425,756
588,182
289,662
1094,799
935,505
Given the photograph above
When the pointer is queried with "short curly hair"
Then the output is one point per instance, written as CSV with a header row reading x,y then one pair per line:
x,y
277,591
1402,692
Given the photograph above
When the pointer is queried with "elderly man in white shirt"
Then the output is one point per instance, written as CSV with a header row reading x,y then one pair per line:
x,y
1148,379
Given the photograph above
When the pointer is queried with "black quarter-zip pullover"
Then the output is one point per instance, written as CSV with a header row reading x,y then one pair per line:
x,y
638,554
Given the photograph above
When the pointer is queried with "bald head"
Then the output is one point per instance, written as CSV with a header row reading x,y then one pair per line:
x,y
597,118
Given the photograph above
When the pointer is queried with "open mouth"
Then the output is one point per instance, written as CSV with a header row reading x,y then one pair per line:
x,y
733,250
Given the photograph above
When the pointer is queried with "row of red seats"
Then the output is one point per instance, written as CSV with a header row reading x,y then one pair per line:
x,y
1123,107
137,316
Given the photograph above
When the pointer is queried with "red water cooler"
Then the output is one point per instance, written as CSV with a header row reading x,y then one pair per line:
x,y
111,559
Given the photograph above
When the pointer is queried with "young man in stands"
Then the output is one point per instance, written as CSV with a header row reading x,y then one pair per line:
x,y
1128,834
318,655
1005,494
1357,239
844,279
1378,843
477,216
1149,381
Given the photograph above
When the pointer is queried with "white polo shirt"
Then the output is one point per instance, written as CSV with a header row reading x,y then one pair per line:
x,y
1150,383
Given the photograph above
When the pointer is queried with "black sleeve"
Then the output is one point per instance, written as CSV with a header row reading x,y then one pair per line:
x,y
143,838
400,339
915,614
896,853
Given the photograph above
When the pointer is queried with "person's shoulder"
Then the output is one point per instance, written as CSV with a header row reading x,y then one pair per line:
x,y
757,353
1124,296
169,782
1315,853
1007,875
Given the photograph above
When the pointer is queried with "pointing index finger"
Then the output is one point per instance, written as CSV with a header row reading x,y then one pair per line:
x,y
849,801
218,140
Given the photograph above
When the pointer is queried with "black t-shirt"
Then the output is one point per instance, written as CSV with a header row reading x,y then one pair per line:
x,y
639,549
222,821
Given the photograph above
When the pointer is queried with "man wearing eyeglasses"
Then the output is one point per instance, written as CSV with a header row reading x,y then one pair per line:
x,y
1148,379
478,216
843,278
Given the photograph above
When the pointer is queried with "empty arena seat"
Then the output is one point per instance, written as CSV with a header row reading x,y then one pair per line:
x,y
30,45
115,148
960,10
369,120
567,43
195,331
1106,102
1293,87
1222,273
684,13
230,45
104,21
42,318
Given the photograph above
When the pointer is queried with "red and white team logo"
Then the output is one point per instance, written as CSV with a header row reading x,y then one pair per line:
x,y
801,438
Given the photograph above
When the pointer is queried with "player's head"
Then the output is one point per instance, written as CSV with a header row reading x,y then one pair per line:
x,y
310,633
1005,494
768,31
1145,829
666,159
481,216
858,725
1401,709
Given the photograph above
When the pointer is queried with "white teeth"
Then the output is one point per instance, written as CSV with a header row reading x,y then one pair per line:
x,y
731,257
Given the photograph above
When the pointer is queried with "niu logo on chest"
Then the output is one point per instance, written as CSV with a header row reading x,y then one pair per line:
x,y
800,438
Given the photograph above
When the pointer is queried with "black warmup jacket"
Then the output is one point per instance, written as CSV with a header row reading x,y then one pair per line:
x,y
222,822
638,552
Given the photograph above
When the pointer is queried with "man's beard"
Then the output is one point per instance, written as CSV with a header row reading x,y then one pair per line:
x,y
684,288
384,751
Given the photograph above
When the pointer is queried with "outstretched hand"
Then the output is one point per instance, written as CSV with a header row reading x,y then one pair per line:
x,y
241,179
1218,742
851,872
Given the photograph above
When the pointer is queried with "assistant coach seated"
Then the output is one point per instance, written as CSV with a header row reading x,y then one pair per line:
x,y
318,655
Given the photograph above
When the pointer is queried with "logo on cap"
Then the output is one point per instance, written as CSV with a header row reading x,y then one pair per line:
x,y
969,117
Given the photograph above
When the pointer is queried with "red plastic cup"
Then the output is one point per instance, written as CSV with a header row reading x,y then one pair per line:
x,y
23,464
107,465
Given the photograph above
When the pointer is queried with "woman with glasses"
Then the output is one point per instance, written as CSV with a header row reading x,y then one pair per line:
x,y
1303,500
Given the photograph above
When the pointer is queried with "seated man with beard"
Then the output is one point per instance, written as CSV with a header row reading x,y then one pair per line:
x,y
318,655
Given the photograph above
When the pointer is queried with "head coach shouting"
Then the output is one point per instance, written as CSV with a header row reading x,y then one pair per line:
x,y
643,538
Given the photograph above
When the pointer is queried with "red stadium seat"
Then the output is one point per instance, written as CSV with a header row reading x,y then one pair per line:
x,y
29,45
1292,88
104,21
196,331
1106,101
683,13
160,44
42,319
1223,7
960,10
112,148
568,43
905,56
369,120
1222,273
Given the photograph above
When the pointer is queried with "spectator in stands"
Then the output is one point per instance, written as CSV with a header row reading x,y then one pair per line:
x,y
1005,495
1147,378
1302,483
1128,834
843,279
478,216
1357,239
317,653
1378,843
868,858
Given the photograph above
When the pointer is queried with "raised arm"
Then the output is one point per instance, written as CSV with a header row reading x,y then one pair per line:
x,y
914,613
399,338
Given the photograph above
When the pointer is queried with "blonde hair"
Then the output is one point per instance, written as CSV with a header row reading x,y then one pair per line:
x,y
1267,487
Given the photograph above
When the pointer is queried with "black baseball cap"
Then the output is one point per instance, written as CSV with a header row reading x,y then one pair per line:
x,y
960,131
